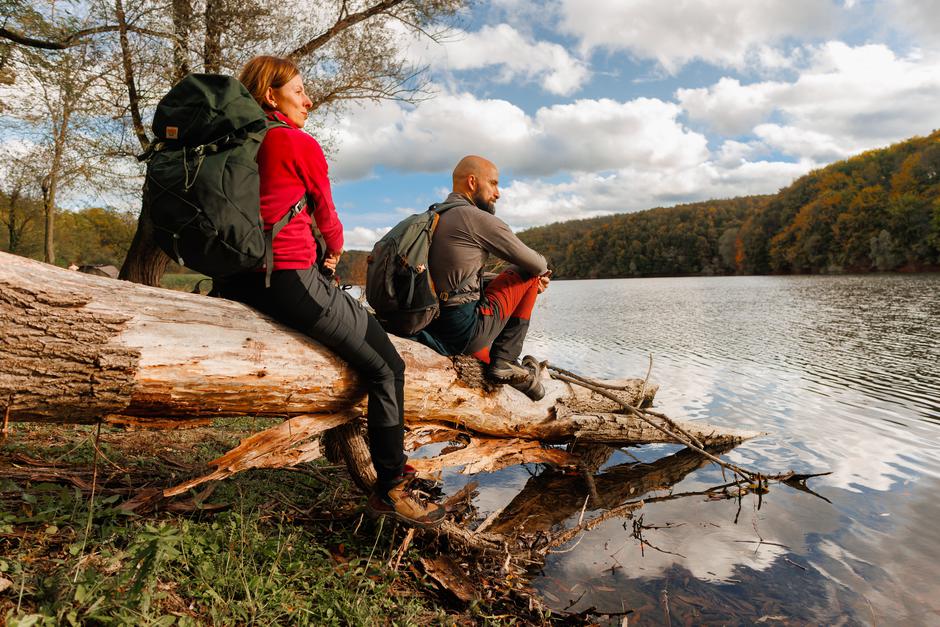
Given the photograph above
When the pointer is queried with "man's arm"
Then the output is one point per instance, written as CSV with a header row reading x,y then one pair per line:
x,y
498,239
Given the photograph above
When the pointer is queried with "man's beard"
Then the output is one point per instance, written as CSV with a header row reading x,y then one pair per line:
x,y
489,207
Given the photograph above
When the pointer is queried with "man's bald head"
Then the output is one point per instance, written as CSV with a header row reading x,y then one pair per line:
x,y
477,179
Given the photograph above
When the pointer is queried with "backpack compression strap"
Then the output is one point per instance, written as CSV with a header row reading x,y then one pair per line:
x,y
444,296
269,236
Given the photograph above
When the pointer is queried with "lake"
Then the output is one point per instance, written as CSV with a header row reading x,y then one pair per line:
x,y
841,372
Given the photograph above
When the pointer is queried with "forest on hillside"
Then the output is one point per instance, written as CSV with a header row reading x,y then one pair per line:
x,y
878,211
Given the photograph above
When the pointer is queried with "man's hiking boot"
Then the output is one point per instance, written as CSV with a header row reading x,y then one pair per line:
x,y
505,371
531,386
527,378
400,503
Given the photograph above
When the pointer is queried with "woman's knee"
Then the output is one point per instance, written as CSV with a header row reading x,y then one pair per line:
x,y
384,375
378,341
396,364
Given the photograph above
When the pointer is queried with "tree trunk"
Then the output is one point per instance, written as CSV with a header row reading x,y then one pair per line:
x,y
549,499
212,44
12,234
182,23
77,348
145,263
50,184
129,80
48,208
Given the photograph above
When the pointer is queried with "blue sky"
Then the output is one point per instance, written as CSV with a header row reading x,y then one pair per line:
x,y
609,106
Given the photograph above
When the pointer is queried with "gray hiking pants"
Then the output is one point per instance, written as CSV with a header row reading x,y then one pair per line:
x,y
312,304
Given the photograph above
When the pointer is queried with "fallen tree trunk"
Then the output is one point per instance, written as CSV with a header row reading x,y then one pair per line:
x,y
78,348
549,499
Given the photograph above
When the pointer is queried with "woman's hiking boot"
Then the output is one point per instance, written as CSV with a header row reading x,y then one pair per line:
x,y
531,386
400,503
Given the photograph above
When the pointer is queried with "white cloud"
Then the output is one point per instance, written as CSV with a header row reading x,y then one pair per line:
x,y
513,57
729,107
734,153
920,18
722,32
797,141
362,238
518,58
428,138
593,135
15,148
847,100
775,59
533,202
584,136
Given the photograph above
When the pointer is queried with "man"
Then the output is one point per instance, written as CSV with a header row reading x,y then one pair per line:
x,y
490,326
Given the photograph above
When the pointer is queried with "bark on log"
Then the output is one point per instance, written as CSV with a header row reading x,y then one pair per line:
x,y
76,348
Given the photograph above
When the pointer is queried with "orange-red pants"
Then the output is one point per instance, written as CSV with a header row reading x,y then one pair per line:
x,y
505,310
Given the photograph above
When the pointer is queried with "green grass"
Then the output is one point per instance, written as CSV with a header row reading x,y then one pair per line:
x,y
238,567
291,547
184,282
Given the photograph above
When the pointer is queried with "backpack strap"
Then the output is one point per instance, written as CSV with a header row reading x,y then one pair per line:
x,y
445,296
439,209
269,236
297,207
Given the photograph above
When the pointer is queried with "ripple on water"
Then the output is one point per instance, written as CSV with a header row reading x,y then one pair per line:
x,y
840,371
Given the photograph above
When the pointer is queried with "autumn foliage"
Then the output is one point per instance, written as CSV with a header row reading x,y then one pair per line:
x,y
878,211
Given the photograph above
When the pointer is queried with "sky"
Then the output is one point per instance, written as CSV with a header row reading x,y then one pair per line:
x,y
612,106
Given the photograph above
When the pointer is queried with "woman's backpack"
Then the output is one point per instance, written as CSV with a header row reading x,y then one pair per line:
x,y
202,184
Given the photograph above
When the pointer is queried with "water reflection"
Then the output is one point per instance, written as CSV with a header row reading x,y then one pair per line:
x,y
840,371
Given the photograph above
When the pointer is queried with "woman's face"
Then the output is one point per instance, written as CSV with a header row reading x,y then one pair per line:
x,y
291,100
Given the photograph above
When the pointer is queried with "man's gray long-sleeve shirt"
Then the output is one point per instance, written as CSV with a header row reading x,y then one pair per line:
x,y
465,238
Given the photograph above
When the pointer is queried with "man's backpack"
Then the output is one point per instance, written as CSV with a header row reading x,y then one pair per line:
x,y
202,184
398,281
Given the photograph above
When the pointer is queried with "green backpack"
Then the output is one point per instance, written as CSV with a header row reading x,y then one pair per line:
x,y
399,287
202,182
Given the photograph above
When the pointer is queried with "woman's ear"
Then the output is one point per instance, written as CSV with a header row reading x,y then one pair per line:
x,y
269,98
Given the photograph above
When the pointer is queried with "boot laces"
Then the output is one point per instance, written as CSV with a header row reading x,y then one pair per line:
x,y
416,494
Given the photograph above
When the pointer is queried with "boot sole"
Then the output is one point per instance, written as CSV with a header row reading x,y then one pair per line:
x,y
510,376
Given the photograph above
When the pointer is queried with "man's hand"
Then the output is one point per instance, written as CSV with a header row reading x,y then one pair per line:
x,y
331,260
544,280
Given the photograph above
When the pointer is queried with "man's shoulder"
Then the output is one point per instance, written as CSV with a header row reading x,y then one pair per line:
x,y
473,215
462,210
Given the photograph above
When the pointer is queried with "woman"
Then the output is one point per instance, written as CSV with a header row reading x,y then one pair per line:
x,y
292,166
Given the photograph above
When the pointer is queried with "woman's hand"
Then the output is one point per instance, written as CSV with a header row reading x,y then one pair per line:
x,y
331,260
